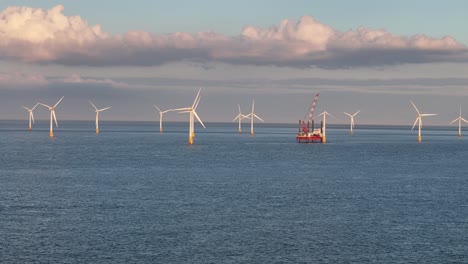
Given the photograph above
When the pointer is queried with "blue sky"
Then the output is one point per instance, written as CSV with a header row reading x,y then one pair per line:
x,y
377,68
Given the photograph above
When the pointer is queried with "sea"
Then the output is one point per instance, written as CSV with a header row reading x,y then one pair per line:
x,y
134,195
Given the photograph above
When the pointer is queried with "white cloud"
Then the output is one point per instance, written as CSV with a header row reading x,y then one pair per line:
x,y
48,36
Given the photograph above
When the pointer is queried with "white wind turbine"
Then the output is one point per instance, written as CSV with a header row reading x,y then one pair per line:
x,y
352,120
459,119
192,114
252,116
161,117
419,121
52,115
97,115
31,115
324,129
239,117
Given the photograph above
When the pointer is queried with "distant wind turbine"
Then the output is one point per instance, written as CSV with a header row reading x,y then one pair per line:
x,y
419,121
324,129
192,115
31,115
52,115
352,120
252,116
459,119
239,117
97,115
161,117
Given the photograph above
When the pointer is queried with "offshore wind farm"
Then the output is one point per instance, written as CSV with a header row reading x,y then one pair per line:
x,y
355,152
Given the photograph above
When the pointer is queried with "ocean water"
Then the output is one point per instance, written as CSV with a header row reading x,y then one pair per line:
x,y
133,195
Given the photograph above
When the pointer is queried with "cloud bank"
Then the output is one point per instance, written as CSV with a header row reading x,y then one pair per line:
x,y
43,36
17,81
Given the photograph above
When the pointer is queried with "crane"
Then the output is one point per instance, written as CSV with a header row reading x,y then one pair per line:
x,y
309,116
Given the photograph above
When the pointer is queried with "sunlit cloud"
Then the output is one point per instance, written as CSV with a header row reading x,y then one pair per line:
x,y
43,36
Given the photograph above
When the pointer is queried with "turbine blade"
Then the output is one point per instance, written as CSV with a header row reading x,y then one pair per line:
x,y
55,117
253,105
93,105
182,109
32,116
26,108
157,108
199,120
196,105
415,107
454,120
237,117
35,107
417,118
48,106
168,110
357,112
100,110
196,98
331,115
463,119
348,114
58,102
258,118
239,109
428,114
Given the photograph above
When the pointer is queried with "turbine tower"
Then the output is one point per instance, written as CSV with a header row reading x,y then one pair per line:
x,y
324,129
459,119
192,115
419,121
352,120
239,117
52,116
97,115
31,116
161,117
252,116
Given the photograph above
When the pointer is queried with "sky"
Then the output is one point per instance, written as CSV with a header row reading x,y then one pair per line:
x,y
373,56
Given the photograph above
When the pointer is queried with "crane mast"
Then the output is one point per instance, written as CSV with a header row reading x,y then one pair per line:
x,y
310,115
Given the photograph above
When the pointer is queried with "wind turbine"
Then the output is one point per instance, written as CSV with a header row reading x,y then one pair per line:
x,y
240,116
161,117
192,114
52,115
324,129
419,121
31,116
352,120
97,115
459,119
252,115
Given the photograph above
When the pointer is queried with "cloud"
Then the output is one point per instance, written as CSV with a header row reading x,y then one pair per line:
x,y
37,35
15,80
77,84
24,81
